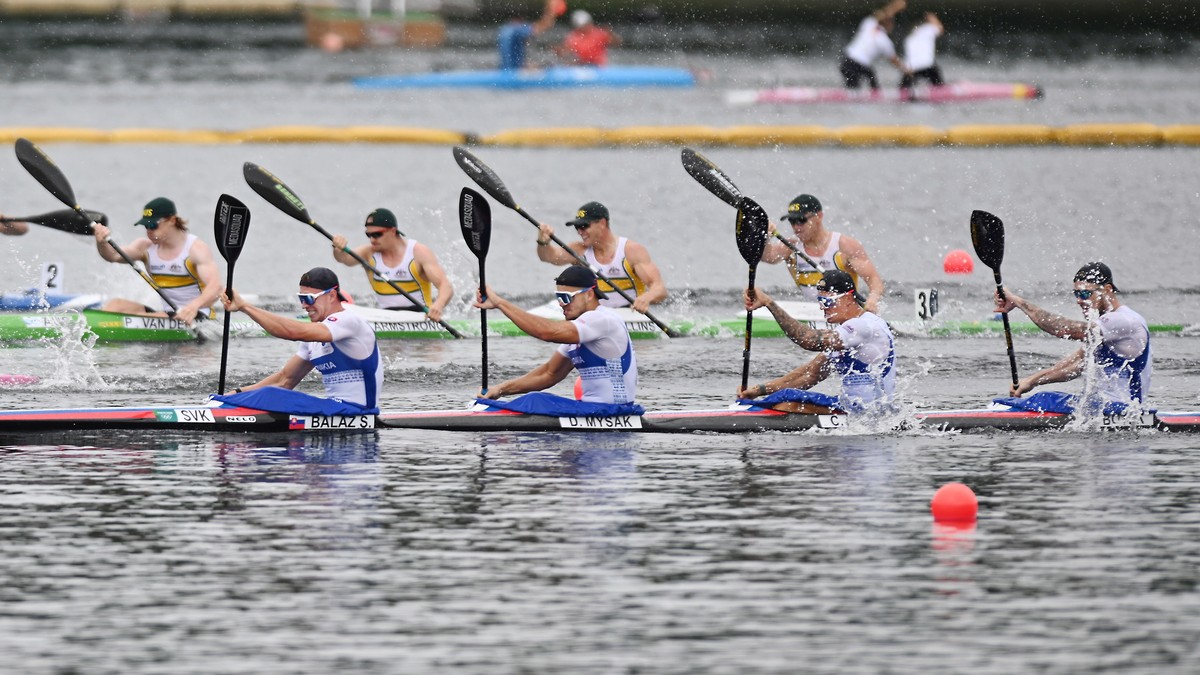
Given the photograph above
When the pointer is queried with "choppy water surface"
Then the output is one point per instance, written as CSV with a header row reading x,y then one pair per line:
x,y
418,551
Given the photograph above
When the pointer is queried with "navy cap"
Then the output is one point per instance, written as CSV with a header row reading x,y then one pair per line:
x,y
577,276
322,279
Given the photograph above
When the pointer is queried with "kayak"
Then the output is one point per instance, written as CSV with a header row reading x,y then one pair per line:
x,y
554,77
954,92
35,299
738,418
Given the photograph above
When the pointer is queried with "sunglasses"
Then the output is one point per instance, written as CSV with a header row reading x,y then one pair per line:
x,y
827,301
310,299
800,220
376,235
1085,294
565,297
581,227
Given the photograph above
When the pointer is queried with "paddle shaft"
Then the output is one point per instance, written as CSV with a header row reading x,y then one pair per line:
x,y
749,331
483,327
1008,338
664,327
225,333
366,265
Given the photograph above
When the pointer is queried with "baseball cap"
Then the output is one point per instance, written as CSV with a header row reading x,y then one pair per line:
x,y
1096,273
589,212
383,218
836,281
159,207
580,18
321,278
577,276
801,206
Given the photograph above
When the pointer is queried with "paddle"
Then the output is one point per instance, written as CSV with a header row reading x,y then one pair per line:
x,y
751,231
63,220
718,182
231,222
45,171
987,234
279,195
475,219
487,179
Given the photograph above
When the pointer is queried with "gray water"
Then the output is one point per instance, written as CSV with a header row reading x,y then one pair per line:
x,y
431,551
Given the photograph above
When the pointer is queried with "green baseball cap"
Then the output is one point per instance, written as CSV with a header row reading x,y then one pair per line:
x,y
588,213
383,218
159,207
801,207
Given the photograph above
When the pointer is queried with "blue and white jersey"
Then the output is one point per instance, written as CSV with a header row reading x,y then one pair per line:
x,y
350,366
604,357
867,365
1123,356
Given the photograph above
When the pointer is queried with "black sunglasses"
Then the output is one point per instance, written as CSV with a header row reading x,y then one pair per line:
x,y
579,227
376,235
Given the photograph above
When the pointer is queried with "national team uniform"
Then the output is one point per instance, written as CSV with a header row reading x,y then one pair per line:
x,y
867,365
350,366
869,43
806,276
920,52
620,271
407,274
177,277
604,357
512,40
1123,356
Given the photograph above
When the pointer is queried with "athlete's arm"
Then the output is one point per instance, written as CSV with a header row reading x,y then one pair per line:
x,y
1067,369
799,332
860,264
136,249
1050,322
287,377
804,377
210,278
550,252
543,377
549,330
14,228
434,272
775,251
279,326
647,271
340,255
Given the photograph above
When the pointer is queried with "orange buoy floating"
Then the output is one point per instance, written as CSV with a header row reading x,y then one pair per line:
x,y
958,261
954,502
579,388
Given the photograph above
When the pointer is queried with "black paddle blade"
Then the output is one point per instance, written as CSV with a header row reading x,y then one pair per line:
x,y
752,226
475,218
987,234
275,191
231,222
483,176
64,220
45,171
711,177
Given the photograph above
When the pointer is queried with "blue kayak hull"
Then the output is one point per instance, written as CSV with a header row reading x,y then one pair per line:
x,y
34,300
555,77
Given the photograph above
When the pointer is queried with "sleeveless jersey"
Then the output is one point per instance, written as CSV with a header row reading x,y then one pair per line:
x,y
407,275
177,277
806,276
867,364
350,366
870,42
620,271
1123,356
604,357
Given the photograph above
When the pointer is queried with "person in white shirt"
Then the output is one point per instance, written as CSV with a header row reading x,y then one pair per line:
x,y
871,42
920,53
593,340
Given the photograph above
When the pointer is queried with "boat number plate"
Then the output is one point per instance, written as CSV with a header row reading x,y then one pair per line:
x,y
618,422
332,422
831,421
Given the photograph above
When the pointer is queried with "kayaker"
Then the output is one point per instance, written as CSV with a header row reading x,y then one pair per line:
x,y
178,261
409,263
14,229
514,36
593,340
920,53
871,41
624,261
1116,342
831,250
860,350
338,344
587,44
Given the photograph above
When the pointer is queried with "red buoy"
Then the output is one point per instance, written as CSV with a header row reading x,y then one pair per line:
x,y
958,261
954,502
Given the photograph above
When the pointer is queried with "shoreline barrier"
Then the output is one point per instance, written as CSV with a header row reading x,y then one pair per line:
x,y
1113,135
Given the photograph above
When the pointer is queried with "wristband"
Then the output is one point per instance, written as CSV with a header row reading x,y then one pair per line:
x,y
237,390
762,390
543,243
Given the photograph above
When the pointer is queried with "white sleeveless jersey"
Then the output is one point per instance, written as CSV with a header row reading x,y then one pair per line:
x,y
806,276
604,357
350,366
177,277
620,271
869,43
920,47
407,275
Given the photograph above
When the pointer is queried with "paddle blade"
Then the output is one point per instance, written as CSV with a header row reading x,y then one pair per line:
x,y
987,234
711,177
275,191
231,222
751,230
475,218
483,176
45,171
64,220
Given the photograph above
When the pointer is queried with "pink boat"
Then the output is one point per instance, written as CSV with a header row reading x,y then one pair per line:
x,y
954,92
18,380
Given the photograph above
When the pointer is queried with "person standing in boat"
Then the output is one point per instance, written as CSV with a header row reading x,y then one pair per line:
x,y
405,261
338,344
513,39
920,53
587,44
625,262
831,250
871,41
178,261
861,350
1116,341
592,340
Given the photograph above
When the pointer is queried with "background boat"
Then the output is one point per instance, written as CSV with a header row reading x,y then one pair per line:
x,y
953,92
553,77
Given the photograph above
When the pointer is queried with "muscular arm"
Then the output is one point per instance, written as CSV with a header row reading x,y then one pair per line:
x,y
279,326
860,264
549,330
553,253
1050,322
210,277
434,272
647,271
346,259
776,251
1068,368
14,228
287,377
804,335
804,377
135,250
543,377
